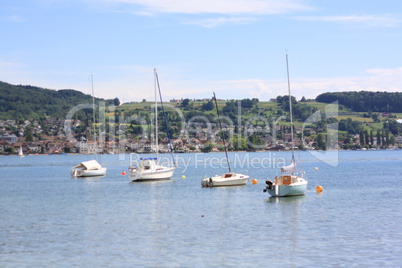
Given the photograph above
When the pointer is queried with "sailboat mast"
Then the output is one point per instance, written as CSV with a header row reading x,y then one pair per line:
x,y
93,108
223,136
290,105
165,119
156,116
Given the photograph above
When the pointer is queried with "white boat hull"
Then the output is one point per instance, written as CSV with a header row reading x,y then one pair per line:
x,y
228,179
161,173
88,173
288,190
298,186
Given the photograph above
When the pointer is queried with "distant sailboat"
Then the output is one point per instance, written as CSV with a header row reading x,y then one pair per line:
x,y
227,179
90,168
287,184
149,168
20,152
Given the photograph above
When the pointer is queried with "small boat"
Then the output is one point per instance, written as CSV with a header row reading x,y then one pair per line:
x,y
226,179
288,184
149,168
88,169
20,153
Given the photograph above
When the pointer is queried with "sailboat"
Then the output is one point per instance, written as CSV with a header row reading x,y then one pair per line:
x,y
90,168
149,168
288,184
227,179
20,153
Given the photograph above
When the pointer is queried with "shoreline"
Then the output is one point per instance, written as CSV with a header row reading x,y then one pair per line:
x,y
259,151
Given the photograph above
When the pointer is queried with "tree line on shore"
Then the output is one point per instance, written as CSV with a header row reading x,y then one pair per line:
x,y
258,119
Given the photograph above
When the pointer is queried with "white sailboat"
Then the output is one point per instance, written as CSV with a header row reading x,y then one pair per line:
x,y
226,179
288,184
90,168
149,168
20,152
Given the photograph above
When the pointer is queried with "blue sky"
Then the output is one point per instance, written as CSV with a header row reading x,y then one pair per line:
x,y
236,48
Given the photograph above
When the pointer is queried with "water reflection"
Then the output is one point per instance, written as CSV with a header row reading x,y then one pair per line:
x,y
289,199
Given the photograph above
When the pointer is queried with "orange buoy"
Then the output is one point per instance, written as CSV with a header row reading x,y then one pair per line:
x,y
319,189
254,181
123,173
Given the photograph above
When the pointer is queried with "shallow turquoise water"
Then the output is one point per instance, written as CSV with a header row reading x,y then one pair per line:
x,y
49,219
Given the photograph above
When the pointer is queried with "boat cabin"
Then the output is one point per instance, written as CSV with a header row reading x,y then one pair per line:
x,y
285,180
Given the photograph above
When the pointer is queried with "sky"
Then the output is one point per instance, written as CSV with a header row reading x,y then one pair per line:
x,y
235,48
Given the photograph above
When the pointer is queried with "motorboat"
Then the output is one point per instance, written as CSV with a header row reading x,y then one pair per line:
x,y
89,168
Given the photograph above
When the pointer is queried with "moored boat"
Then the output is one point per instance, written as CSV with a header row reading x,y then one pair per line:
x,y
89,168
226,179
288,184
149,168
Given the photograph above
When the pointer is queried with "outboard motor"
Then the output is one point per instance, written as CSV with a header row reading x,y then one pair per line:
x,y
269,184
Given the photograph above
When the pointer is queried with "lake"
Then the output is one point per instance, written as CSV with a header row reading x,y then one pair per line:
x,y
50,219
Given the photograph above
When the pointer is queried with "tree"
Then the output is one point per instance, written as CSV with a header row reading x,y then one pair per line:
x,y
207,147
29,137
320,142
371,138
185,103
209,106
367,138
255,141
378,138
116,102
392,140
361,137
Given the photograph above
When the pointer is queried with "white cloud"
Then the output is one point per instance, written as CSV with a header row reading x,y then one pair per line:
x,y
363,20
215,6
213,22
389,80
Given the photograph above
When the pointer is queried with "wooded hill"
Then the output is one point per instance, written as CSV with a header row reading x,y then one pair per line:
x,y
18,102
366,101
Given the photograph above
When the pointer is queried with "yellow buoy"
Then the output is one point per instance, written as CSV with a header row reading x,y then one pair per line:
x,y
254,181
183,177
318,189
316,169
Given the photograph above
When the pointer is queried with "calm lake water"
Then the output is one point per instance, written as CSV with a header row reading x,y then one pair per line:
x,y
49,219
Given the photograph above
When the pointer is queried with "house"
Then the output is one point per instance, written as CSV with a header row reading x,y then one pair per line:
x,y
35,147
9,138
54,147
3,146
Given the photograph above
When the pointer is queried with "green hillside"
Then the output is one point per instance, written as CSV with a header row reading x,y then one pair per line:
x,y
20,102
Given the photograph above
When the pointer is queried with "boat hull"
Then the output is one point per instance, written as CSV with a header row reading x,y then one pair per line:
x,y
235,179
162,174
288,190
89,173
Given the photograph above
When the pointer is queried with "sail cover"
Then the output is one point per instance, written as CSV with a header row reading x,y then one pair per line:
x,y
290,168
90,165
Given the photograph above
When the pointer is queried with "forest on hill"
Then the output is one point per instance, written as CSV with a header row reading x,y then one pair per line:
x,y
366,101
21,102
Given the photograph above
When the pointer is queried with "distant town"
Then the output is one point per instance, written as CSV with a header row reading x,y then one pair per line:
x,y
53,140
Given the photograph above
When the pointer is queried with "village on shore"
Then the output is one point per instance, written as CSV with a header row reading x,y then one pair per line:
x,y
58,143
